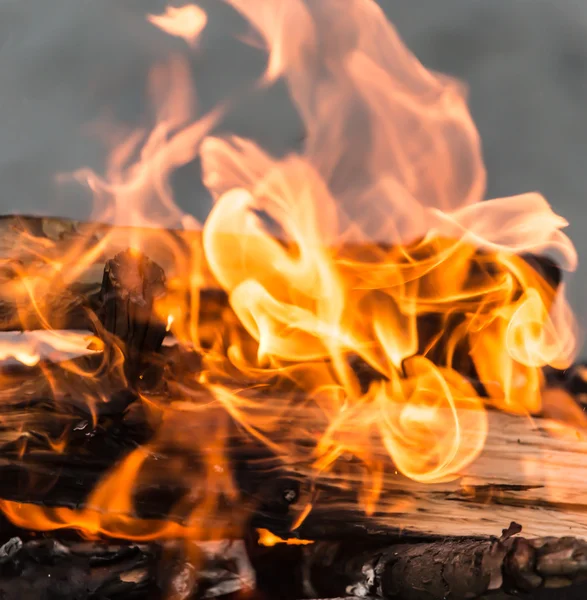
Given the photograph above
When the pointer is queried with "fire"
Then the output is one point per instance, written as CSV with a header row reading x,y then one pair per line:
x,y
186,22
28,347
266,538
372,250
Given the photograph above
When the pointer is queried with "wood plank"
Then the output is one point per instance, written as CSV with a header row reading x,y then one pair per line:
x,y
524,473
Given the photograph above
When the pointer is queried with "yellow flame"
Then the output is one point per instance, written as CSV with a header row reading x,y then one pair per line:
x,y
170,320
365,271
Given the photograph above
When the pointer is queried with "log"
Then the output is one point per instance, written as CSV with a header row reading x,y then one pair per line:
x,y
525,472
75,570
528,471
460,569
130,325
70,569
32,245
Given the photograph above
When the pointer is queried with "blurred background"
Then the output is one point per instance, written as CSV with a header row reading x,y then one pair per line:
x,y
65,63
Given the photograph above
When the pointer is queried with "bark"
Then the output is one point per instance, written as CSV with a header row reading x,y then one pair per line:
x,y
69,569
131,326
48,569
459,569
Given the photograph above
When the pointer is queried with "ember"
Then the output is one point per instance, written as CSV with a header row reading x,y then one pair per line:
x,y
356,346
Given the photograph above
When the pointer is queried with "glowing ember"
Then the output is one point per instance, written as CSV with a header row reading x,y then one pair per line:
x,y
372,246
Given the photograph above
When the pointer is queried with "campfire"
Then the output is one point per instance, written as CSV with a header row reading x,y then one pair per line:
x,y
354,379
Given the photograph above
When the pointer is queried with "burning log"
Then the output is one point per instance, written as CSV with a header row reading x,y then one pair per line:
x,y
275,493
131,286
67,307
462,569
518,476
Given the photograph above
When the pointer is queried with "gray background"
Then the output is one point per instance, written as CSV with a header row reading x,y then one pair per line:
x,y
63,61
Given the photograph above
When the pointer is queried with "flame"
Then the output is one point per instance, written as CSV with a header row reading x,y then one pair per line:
x,y
366,271
186,22
28,347
266,538
170,320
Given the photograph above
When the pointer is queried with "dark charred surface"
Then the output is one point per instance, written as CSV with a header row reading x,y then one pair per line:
x,y
48,569
451,568
131,286
60,566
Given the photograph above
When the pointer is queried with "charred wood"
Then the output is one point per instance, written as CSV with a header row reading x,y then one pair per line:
x,y
572,380
46,569
49,568
519,474
66,568
461,569
31,246
131,286
69,569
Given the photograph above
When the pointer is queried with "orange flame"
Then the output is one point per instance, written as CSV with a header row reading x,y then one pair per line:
x,y
369,251
186,22
266,538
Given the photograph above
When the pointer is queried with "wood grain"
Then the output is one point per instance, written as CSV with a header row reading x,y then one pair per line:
x,y
525,473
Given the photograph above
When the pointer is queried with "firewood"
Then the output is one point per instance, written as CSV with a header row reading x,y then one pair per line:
x,y
461,569
33,241
78,570
60,566
131,286
525,473
50,569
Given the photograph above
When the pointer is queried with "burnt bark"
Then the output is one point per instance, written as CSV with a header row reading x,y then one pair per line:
x,y
460,569
51,569
131,286
48,569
